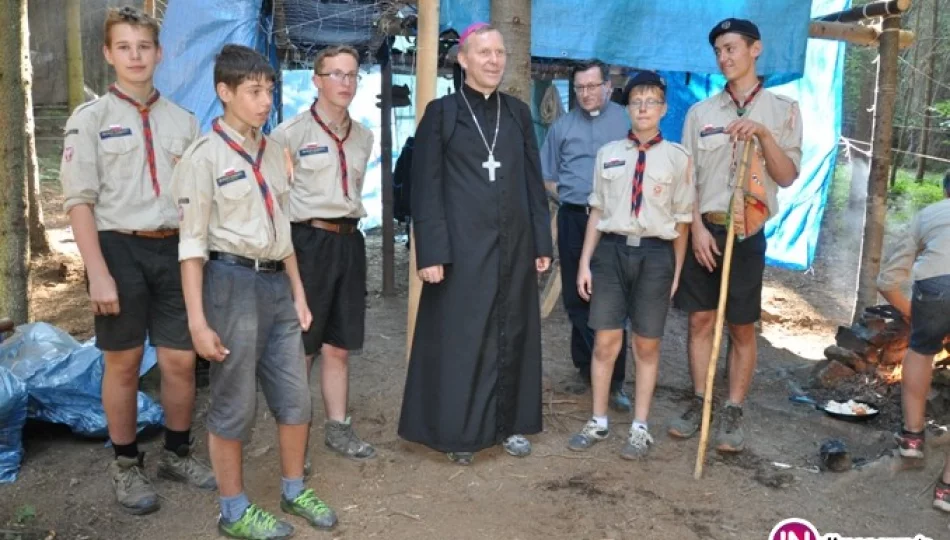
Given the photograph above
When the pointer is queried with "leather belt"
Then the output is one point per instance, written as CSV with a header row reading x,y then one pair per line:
x,y
644,241
158,234
582,208
267,267
338,228
716,218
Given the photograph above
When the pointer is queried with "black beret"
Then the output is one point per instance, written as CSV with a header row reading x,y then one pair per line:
x,y
643,78
736,26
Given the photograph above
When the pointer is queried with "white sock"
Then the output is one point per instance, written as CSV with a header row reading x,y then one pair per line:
x,y
640,425
601,421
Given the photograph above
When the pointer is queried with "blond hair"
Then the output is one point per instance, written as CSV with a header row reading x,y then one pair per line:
x,y
330,52
132,17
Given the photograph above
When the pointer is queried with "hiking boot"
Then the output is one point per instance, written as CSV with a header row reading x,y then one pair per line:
x,y
589,435
638,444
133,491
182,466
942,496
730,436
308,506
619,400
256,524
910,444
517,446
461,458
689,422
341,438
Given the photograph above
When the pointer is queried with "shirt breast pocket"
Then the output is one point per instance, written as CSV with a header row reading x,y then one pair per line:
x,y
315,175
234,197
709,150
120,160
174,147
659,188
615,182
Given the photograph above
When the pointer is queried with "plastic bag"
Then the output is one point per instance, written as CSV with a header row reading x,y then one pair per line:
x,y
12,418
63,379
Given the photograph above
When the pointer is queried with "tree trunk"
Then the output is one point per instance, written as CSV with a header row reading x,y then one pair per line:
x,y
14,245
76,81
513,18
929,99
876,208
39,243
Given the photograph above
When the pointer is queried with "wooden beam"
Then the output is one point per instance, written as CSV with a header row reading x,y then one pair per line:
x,y
869,11
855,33
428,57
876,205
386,162
76,85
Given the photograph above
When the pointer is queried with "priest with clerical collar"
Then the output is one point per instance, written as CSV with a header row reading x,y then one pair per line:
x,y
482,235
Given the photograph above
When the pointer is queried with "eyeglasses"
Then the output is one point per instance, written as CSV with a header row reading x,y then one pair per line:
x,y
583,88
648,104
340,77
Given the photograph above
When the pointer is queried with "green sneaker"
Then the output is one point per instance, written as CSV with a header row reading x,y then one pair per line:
x,y
308,506
256,524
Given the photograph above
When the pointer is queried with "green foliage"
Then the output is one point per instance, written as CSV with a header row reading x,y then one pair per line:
x,y
908,195
25,514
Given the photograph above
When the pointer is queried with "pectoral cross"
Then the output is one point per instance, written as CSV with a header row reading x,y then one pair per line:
x,y
491,165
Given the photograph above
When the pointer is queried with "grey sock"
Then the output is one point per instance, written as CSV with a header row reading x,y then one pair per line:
x,y
232,508
291,487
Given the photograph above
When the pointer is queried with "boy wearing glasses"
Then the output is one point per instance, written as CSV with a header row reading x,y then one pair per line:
x,y
641,207
330,153
567,165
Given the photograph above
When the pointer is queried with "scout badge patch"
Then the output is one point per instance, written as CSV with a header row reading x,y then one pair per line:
x,y
749,206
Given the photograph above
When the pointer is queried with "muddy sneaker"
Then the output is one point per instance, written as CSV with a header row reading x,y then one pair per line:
x,y
942,496
183,466
730,437
619,400
589,435
688,423
461,458
638,444
910,444
341,438
517,446
133,491
308,506
256,524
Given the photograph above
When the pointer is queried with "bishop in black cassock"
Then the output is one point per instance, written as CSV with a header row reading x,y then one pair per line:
x,y
474,375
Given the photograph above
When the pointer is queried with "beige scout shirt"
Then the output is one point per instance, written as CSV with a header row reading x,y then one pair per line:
x,y
317,190
925,246
104,162
713,153
668,192
221,205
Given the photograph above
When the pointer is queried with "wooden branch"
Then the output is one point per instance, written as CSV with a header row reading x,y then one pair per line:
x,y
868,11
855,33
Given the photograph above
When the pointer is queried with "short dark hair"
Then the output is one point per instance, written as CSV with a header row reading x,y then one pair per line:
x,y
131,16
590,64
237,63
946,183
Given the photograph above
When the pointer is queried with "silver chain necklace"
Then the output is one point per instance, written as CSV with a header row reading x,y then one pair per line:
x,y
491,164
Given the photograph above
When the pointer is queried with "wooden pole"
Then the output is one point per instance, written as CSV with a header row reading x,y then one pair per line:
x,y
149,7
854,33
427,54
930,94
885,8
76,80
386,160
876,206
720,320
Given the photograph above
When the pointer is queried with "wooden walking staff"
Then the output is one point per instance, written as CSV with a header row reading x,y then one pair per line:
x,y
721,310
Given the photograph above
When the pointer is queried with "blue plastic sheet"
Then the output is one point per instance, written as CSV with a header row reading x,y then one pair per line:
x,y
670,35
63,379
12,419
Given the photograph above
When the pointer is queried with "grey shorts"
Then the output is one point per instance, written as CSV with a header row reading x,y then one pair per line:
x,y
631,282
253,314
930,314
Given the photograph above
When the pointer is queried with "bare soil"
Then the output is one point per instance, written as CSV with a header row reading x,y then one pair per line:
x,y
409,491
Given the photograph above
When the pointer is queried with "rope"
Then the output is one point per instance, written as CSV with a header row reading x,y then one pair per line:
x,y
849,144
551,108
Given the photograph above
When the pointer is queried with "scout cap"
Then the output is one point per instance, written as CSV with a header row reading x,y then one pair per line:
x,y
644,78
736,26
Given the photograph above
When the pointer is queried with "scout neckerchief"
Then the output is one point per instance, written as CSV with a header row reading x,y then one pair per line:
x,y
743,107
255,166
344,173
637,193
143,109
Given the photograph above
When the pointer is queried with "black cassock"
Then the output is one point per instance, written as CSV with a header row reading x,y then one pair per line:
x,y
475,371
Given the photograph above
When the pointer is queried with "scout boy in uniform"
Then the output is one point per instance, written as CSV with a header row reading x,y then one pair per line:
x,y
246,305
116,171
641,207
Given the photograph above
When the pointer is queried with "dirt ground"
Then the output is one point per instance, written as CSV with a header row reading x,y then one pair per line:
x,y
409,491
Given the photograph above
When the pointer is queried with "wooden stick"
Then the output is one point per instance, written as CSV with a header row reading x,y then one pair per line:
x,y
428,57
869,11
720,319
855,33
552,290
